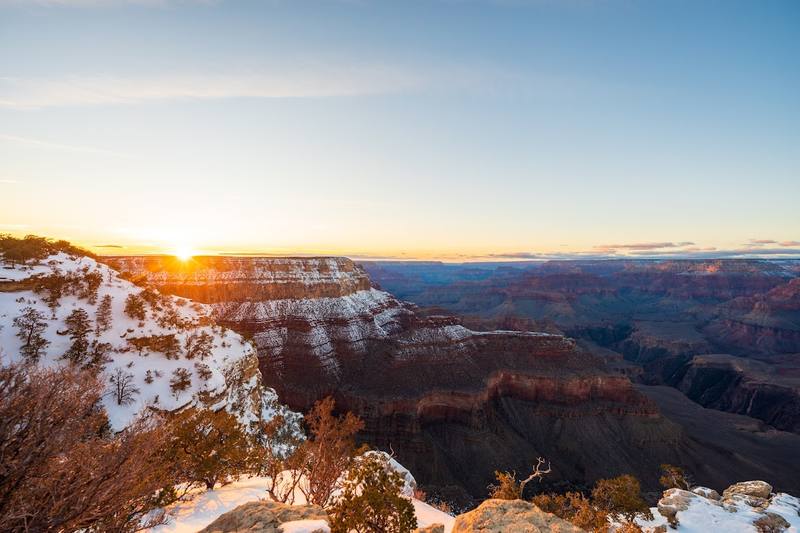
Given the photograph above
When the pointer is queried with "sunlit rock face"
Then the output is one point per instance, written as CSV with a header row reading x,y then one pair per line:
x,y
452,403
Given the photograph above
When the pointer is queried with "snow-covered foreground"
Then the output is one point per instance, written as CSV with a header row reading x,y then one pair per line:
x,y
205,507
224,376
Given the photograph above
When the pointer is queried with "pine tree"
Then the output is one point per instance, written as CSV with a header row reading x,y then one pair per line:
x,y
203,371
372,499
31,324
181,380
103,317
200,346
134,307
207,447
78,327
98,356
91,284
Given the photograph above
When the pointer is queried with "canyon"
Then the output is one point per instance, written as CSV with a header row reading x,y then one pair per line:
x,y
454,403
648,318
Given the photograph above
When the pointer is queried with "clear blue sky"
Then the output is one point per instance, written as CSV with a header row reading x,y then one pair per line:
x,y
456,129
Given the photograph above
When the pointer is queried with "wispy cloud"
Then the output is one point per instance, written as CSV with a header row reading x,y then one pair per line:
x,y
30,93
643,246
789,243
8,182
58,146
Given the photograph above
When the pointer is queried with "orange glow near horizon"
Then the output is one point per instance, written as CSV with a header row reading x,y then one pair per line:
x,y
183,252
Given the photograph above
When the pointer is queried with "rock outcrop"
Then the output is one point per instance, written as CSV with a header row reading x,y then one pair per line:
x,y
745,506
268,517
519,516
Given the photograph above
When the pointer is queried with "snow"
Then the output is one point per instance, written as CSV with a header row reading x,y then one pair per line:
x,y
229,356
206,506
195,514
304,526
358,317
427,516
704,515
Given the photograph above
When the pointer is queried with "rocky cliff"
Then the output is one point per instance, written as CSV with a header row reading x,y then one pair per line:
x,y
454,404
744,386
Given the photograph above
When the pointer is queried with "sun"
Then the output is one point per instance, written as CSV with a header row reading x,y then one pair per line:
x,y
183,252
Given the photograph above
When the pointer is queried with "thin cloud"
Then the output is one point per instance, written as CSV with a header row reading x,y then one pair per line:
x,y
58,146
789,243
643,246
761,242
8,182
109,246
31,94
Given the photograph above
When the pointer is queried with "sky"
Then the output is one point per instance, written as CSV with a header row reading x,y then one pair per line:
x,y
450,129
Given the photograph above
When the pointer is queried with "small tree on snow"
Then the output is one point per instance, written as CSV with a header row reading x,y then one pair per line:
x,y
123,389
181,380
103,316
203,371
134,307
30,325
200,346
98,356
91,284
78,327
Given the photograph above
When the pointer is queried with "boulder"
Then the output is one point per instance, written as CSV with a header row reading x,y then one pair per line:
x,y
674,501
705,492
771,523
519,516
263,517
757,489
753,493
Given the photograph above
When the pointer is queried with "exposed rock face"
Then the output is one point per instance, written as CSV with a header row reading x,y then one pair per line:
x,y
454,404
265,517
501,516
743,386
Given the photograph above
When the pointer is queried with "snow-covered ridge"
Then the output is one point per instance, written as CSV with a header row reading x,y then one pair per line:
x,y
149,351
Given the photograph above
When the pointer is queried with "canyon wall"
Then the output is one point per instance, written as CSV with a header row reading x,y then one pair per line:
x,y
453,404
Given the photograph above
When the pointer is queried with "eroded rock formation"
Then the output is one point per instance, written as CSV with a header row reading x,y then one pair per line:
x,y
454,404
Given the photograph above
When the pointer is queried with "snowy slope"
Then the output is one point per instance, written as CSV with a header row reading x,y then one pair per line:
x,y
232,379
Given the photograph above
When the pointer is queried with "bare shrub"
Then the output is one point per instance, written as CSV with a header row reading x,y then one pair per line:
x,y
56,448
